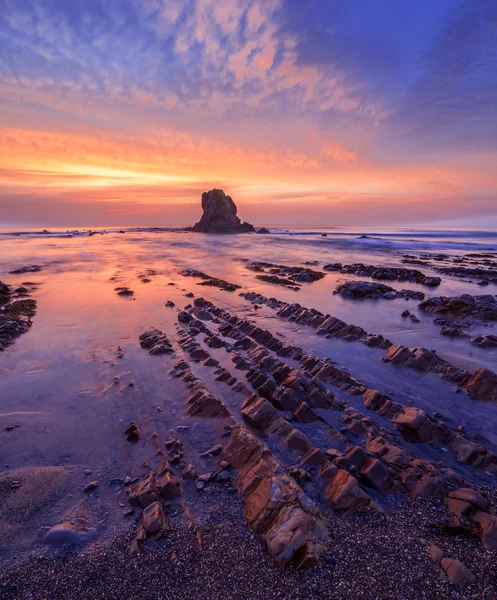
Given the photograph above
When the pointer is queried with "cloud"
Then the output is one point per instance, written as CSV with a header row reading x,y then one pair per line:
x,y
453,105
318,101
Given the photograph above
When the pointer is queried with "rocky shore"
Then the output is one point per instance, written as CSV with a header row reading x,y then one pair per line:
x,y
384,273
241,445
15,315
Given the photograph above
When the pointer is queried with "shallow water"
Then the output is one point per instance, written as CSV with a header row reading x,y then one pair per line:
x,y
57,381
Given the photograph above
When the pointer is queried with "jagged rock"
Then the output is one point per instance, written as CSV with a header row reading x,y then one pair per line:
x,y
355,456
214,451
483,384
414,358
203,404
189,472
470,496
184,317
4,292
385,273
465,450
132,432
345,493
15,319
371,289
375,474
219,215
482,307
156,342
415,425
282,275
304,414
275,506
145,492
484,341
259,413
168,483
155,521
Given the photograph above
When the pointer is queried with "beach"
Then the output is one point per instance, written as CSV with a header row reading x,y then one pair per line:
x,y
153,353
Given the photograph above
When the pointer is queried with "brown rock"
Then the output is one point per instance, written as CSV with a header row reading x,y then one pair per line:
x,y
145,491
289,536
345,493
189,472
465,450
355,456
469,495
132,432
304,414
458,507
483,385
259,413
457,573
375,474
308,555
436,553
168,485
155,521
487,525
415,425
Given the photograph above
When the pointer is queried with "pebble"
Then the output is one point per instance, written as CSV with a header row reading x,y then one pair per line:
x,y
90,487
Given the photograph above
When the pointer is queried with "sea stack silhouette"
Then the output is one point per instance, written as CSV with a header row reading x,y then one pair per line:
x,y
219,215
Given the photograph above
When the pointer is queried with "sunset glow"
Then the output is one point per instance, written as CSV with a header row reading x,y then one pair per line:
x,y
140,106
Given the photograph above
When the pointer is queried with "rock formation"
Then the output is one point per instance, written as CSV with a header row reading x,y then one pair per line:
x,y
219,215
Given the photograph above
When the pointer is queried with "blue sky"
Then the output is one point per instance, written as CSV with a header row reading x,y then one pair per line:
x,y
371,112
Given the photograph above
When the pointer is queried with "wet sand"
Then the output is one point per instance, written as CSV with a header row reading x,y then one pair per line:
x,y
71,385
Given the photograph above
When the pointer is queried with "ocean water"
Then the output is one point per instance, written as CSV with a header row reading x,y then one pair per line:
x,y
58,381
73,260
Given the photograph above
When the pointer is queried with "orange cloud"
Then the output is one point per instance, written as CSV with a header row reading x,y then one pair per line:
x,y
336,152
129,175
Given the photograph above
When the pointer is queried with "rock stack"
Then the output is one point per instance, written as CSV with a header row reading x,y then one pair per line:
x,y
219,215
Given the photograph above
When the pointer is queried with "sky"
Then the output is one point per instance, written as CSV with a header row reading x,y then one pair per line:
x,y
324,112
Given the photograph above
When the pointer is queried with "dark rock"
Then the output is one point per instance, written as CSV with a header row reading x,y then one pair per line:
x,y
124,291
156,342
15,319
209,281
26,269
481,307
155,521
132,432
4,292
219,215
371,289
